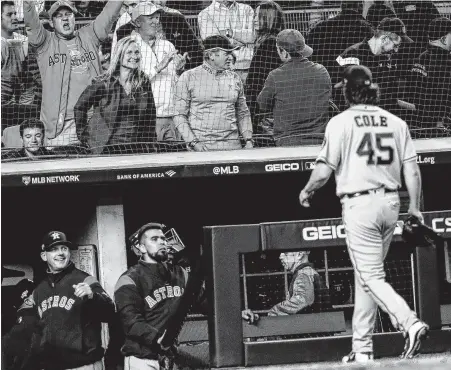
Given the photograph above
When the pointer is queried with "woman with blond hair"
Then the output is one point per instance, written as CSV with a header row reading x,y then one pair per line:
x,y
124,110
269,20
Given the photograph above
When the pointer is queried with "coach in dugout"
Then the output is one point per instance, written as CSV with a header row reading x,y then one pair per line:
x,y
307,291
68,61
211,109
380,54
431,76
71,306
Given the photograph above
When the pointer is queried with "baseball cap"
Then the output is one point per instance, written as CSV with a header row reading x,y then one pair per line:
x,y
53,238
357,76
61,4
144,228
439,27
395,25
23,289
293,42
219,42
145,8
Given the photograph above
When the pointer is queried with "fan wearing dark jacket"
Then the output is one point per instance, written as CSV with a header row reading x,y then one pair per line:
x,y
331,37
124,107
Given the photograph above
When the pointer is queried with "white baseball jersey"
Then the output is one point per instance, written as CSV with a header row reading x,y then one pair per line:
x,y
366,146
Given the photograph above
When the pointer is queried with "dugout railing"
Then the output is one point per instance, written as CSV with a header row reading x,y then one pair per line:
x,y
223,248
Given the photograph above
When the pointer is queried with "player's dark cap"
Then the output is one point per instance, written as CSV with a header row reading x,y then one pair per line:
x,y
293,42
61,4
356,76
439,27
148,226
219,42
23,289
395,25
53,238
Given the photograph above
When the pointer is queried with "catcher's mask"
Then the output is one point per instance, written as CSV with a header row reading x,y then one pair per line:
x,y
174,243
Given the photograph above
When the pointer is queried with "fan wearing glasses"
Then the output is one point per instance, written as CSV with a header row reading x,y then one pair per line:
x,y
381,54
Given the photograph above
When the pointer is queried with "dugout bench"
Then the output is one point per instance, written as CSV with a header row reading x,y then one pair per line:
x,y
222,248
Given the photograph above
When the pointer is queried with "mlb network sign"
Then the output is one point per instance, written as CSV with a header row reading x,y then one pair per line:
x,y
27,180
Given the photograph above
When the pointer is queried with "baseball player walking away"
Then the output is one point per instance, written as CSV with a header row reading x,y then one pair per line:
x,y
367,147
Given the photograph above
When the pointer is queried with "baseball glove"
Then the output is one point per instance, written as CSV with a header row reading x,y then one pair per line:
x,y
416,233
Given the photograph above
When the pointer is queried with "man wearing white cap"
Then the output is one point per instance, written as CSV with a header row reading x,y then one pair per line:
x,y
160,61
233,20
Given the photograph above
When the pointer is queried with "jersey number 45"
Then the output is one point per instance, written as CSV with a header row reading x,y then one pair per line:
x,y
369,142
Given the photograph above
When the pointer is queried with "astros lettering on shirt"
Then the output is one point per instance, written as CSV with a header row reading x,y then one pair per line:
x,y
366,147
56,301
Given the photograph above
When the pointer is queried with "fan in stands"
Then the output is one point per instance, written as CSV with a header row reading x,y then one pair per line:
x,y
175,42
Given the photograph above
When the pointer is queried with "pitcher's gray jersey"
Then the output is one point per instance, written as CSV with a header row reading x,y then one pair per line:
x,y
366,147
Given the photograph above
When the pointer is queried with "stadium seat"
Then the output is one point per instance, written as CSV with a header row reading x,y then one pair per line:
x,y
11,137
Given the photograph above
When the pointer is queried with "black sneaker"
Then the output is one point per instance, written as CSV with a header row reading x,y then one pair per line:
x,y
416,333
358,357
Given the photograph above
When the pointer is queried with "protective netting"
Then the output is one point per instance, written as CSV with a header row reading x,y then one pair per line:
x,y
162,78
265,282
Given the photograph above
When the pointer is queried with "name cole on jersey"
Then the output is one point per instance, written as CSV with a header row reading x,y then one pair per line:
x,y
163,293
364,120
55,301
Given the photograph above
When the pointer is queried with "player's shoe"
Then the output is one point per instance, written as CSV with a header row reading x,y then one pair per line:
x,y
416,333
358,358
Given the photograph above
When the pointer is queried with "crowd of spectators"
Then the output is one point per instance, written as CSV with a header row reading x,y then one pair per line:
x,y
119,77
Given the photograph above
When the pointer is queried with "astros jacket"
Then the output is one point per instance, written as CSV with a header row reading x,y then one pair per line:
x,y
54,60
69,329
146,297
16,344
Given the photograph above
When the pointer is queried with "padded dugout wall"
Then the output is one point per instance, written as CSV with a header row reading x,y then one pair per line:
x,y
224,244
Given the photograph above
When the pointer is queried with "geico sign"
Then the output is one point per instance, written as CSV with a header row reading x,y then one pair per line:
x,y
323,232
282,167
441,224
